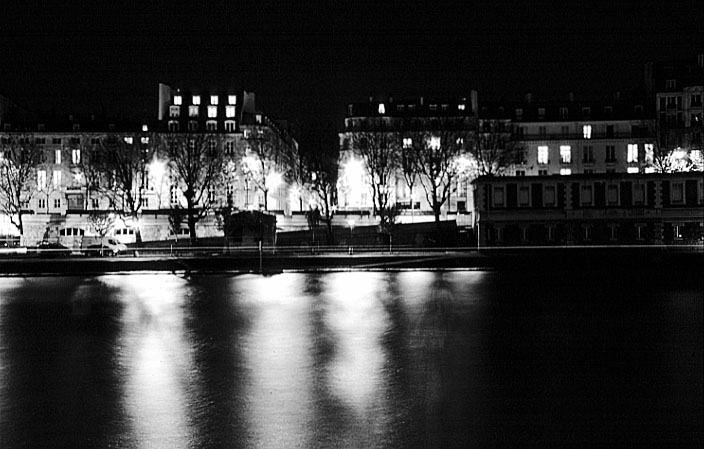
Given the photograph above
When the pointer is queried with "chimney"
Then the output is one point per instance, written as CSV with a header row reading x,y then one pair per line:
x,y
474,98
421,101
571,97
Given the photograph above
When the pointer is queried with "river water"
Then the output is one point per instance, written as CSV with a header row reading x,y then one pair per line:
x,y
351,360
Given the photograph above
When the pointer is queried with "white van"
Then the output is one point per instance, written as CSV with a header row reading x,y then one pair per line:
x,y
92,246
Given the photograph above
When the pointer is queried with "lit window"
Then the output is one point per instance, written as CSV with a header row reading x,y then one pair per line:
x,y
435,143
460,107
211,125
565,171
543,154
128,140
407,142
565,154
632,170
649,153
230,126
229,111
144,140
57,156
382,109
213,99
587,131
56,179
41,179
632,152
76,156
193,111
232,99
196,99
177,100
212,111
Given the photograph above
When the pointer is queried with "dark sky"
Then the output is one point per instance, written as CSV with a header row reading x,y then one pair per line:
x,y
307,59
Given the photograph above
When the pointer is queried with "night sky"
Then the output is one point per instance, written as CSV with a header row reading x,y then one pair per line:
x,y
306,59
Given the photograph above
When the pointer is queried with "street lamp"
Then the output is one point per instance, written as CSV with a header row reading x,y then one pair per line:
x,y
350,223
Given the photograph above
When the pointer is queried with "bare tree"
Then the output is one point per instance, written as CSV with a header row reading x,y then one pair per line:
x,y
196,162
494,149
408,165
18,175
319,173
266,162
102,222
380,157
124,159
440,157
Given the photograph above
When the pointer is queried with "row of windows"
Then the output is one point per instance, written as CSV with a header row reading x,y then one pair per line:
x,y
214,100
194,111
566,153
597,194
230,126
672,101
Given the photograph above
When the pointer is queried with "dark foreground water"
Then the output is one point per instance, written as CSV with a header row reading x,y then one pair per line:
x,y
352,360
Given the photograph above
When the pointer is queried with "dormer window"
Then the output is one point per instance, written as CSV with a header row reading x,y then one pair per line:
x,y
232,99
608,110
214,99
563,112
196,99
178,100
519,113
433,107
382,108
541,113
586,111
460,107
671,84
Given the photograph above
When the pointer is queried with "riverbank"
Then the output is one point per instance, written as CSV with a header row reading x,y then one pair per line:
x,y
670,260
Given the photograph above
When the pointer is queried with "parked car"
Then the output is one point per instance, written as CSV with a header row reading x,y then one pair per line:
x,y
52,249
109,247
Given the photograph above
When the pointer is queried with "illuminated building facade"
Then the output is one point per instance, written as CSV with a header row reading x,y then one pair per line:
x,y
59,202
592,209
572,137
400,122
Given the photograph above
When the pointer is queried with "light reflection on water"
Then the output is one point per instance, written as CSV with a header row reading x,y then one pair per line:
x,y
416,359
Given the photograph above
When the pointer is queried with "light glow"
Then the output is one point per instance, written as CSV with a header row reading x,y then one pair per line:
x,y
382,108
632,155
178,100
565,171
632,170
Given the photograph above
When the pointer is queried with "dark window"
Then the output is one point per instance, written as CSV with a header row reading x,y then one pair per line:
x,y
626,194
537,195
690,192
599,194
511,195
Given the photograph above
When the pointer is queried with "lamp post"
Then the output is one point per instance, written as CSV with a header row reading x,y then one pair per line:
x,y
350,223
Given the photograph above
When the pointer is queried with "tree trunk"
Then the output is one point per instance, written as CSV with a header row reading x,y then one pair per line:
x,y
191,221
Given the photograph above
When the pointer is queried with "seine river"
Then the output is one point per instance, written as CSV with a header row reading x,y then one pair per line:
x,y
352,360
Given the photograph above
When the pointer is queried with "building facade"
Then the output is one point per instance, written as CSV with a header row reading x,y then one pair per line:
x,y
591,209
63,190
406,125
